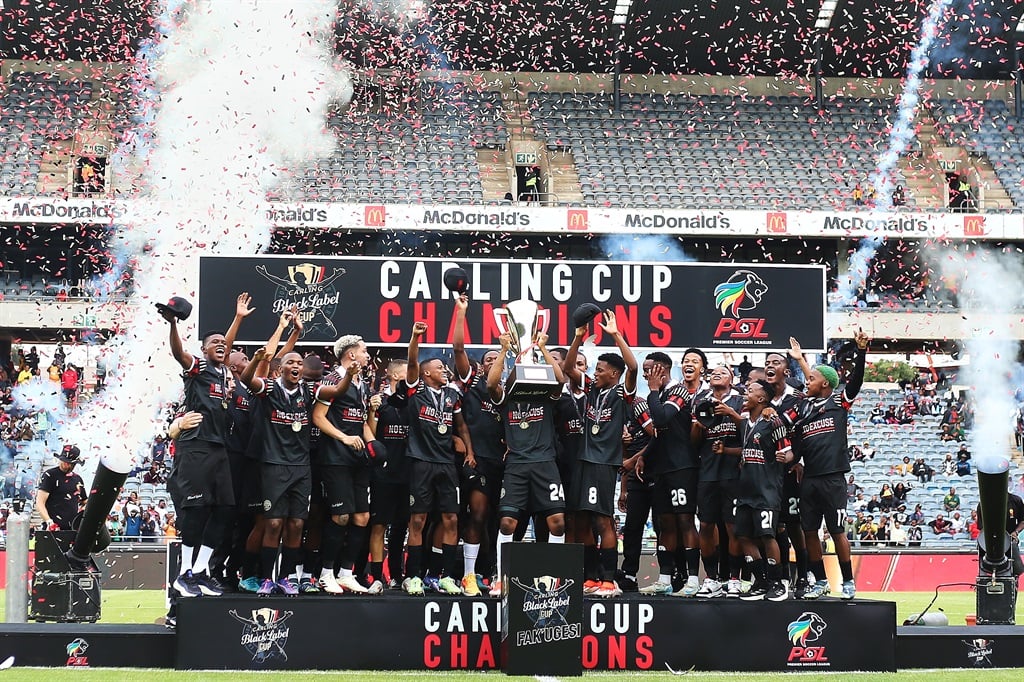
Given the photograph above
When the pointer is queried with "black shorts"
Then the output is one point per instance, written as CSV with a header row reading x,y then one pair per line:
x,y
251,494
433,485
486,479
716,501
790,499
532,487
755,523
823,497
286,491
345,490
201,476
675,492
593,488
389,503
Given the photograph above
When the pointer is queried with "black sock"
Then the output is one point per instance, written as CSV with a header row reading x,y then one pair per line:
x,y
377,570
692,561
711,565
847,568
290,558
435,562
784,546
313,564
818,567
251,564
735,566
682,564
666,562
450,560
608,558
774,572
414,564
331,543
757,567
357,536
268,559
801,564
591,563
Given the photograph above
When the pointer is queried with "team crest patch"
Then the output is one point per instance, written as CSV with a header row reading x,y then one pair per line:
x,y
412,500
267,504
503,491
483,481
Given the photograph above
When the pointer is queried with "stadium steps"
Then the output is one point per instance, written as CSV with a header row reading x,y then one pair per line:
x,y
564,178
494,173
992,195
925,180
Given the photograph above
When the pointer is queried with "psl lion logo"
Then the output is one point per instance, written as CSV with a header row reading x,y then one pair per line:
x,y
807,628
742,291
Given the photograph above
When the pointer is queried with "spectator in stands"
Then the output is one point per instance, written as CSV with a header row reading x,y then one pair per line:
x,y
890,415
114,526
867,531
904,468
957,524
170,527
132,522
901,514
900,492
951,501
159,450
918,514
858,195
899,197
155,475
101,374
869,452
948,466
53,371
923,471
963,466
905,415
964,452
32,360
850,526
744,369
59,355
898,535
532,184
874,505
162,511
856,454
972,526
859,504
69,384
877,415
914,534
886,497
148,528
24,375
941,525
852,489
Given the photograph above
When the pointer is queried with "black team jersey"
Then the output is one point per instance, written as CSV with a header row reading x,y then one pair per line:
x,y
819,429
393,432
206,392
721,467
761,474
607,410
671,410
635,426
569,426
347,412
482,417
431,421
529,431
239,419
285,421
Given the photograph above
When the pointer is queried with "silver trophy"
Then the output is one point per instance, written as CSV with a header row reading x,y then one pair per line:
x,y
528,381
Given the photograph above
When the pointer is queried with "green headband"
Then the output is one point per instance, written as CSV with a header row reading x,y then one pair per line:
x,y
831,376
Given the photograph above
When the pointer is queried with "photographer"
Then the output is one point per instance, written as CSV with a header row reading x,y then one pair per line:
x,y
61,491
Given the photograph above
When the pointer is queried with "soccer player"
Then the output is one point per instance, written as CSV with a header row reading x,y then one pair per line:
x,y
593,489
482,484
719,448
388,420
283,427
765,450
344,471
201,477
435,411
675,465
530,482
636,493
819,422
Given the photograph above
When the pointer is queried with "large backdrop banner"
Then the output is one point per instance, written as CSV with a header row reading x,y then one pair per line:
x,y
727,307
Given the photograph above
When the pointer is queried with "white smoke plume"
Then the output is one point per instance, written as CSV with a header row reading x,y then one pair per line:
x,y
989,288
900,136
237,93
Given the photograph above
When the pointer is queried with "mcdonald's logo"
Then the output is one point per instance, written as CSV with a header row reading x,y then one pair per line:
x,y
374,216
974,226
578,219
776,222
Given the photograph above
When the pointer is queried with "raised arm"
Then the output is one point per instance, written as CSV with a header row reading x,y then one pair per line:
x,y
256,370
542,344
180,354
275,338
856,379
611,328
242,311
572,373
328,392
412,374
797,353
462,366
495,390
293,338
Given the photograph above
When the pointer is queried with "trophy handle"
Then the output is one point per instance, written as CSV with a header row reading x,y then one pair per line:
x,y
543,318
503,321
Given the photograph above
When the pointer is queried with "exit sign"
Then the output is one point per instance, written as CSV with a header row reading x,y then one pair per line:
x,y
526,158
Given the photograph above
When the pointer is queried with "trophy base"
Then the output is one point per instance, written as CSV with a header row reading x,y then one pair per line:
x,y
531,384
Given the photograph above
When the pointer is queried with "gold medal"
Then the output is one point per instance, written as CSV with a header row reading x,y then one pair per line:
x,y
524,425
224,404
595,429
296,426
442,429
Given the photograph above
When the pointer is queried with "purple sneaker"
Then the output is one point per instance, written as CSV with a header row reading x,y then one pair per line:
x,y
286,586
267,587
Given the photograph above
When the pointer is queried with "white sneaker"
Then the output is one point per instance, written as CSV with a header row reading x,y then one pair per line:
x,y
413,586
690,589
657,588
350,584
734,588
608,589
329,584
376,587
710,589
495,590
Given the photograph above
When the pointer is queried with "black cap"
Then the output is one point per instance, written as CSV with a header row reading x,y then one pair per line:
x,y
704,413
70,454
584,314
376,453
177,306
456,280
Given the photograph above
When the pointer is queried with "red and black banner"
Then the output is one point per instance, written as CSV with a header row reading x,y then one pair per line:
x,y
657,305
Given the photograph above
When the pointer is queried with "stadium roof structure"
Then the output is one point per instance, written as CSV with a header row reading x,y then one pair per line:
x,y
866,38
